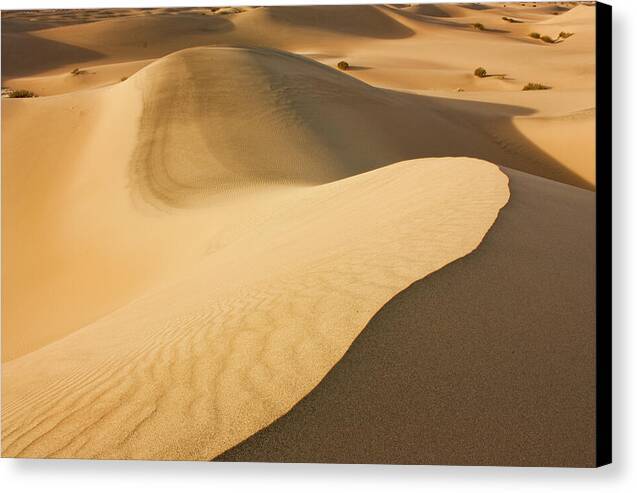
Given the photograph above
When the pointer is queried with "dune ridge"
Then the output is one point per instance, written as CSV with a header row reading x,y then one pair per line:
x,y
235,344
428,339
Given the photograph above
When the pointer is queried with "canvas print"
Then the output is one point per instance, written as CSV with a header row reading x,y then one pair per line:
x,y
315,233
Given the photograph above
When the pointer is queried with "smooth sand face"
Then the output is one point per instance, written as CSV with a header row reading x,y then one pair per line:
x,y
205,239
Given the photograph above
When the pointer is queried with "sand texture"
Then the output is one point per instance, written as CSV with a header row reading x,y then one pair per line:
x,y
201,214
470,401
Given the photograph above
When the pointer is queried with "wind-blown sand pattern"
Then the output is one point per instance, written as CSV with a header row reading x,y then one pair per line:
x,y
200,221
235,345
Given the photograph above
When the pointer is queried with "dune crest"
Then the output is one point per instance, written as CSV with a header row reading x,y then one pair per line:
x,y
214,357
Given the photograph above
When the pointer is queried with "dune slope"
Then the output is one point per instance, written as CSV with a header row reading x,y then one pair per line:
x,y
214,357
494,354
208,289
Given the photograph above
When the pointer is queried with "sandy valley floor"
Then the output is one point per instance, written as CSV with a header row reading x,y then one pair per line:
x,y
216,244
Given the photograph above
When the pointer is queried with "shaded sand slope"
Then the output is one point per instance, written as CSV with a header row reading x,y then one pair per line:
x,y
197,131
346,127
487,361
221,352
156,34
120,39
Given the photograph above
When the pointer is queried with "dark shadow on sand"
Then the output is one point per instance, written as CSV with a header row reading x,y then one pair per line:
x,y
488,361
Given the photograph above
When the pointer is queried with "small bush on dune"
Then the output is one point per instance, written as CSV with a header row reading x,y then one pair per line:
x,y
77,71
342,65
478,27
535,86
535,35
511,20
480,72
22,93
547,39
123,79
565,35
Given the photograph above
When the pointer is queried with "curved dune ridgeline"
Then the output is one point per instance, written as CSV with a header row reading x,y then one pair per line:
x,y
192,368
495,352
201,213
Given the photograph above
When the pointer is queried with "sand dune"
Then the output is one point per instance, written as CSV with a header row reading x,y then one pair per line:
x,y
255,325
429,343
198,224
241,251
384,46
211,120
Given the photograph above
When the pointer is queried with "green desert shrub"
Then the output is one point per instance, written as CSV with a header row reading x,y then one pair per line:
x,y
535,35
22,93
343,65
478,27
535,86
547,39
480,72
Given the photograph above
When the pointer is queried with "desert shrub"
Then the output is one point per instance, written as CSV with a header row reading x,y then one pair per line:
x,y
535,86
478,27
535,35
77,71
343,65
22,93
511,20
228,10
123,79
480,72
547,39
565,35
